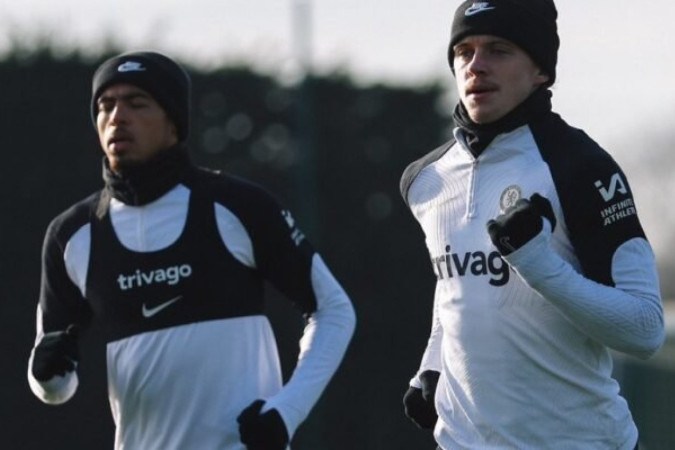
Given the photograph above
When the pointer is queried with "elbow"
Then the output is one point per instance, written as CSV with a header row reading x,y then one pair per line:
x,y
648,347
351,319
338,314
652,335
655,345
346,318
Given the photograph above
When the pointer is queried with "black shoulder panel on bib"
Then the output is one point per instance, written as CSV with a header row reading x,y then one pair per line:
x,y
595,197
282,253
60,300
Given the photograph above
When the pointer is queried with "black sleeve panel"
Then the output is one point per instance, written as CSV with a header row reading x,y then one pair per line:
x,y
414,168
282,253
61,302
595,197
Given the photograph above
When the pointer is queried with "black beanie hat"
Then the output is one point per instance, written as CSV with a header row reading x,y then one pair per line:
x,y
530,24
163,78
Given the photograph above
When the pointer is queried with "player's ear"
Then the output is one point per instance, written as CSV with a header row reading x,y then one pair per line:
x,y
541,77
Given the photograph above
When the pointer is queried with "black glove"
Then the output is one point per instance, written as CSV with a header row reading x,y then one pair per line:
x,y
419,403
520,223
265,431
56,354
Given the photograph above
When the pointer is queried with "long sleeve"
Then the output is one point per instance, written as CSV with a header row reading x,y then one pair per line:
x,y
322,347
268,239
627,317
61,302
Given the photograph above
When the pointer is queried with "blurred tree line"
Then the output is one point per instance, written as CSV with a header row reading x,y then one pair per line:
x,y
329,149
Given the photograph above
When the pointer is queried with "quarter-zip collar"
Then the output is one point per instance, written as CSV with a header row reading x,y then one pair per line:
x,y
479,136
142,184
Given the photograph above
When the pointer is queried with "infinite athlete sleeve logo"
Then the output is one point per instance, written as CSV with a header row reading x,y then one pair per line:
x,y
296,235
616,210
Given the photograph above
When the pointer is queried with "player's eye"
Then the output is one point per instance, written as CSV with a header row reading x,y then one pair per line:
x,y
463,53
139,102
105,106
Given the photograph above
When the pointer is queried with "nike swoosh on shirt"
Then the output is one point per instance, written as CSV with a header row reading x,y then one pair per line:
x,y
149,312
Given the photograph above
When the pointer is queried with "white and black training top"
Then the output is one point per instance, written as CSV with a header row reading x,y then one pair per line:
x,y
177,285
522,341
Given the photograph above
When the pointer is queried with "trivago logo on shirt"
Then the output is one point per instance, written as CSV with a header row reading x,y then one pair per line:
x,y
169,275
475,263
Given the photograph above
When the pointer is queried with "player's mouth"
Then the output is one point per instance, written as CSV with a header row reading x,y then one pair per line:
x,y
119,141
479,91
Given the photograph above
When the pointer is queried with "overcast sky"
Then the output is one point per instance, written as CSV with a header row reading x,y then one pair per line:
x,y
615,72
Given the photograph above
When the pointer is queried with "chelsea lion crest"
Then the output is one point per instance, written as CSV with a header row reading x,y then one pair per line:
x,y
509,197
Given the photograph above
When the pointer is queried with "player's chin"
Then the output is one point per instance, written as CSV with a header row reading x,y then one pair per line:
x,y
120,162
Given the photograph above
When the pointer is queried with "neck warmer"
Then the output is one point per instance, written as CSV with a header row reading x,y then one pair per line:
x,y
479,136
146,182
